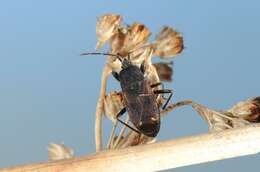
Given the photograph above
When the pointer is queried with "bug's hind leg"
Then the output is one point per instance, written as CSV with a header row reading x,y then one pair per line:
x,y
156,85
165,91
116,76
122,122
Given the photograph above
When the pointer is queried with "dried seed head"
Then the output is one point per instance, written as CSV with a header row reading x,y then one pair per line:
x,y
59,151
168,43
164,71
138,35
140,55
125,41
107,26
113,104
218,120
248,110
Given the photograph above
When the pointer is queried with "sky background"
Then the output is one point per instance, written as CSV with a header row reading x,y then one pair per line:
x,y
48,93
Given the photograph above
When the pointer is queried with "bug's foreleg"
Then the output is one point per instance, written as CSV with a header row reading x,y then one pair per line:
x,y
165,91
122,122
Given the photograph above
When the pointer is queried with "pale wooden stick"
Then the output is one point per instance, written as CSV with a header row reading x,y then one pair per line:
x,y
160,156
100,107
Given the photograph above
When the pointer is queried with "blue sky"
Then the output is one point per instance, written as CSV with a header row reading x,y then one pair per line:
x,y
48,92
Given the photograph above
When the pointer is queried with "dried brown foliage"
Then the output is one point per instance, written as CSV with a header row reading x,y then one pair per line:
x,y
132,42
59,151
107,26
164,71
168,43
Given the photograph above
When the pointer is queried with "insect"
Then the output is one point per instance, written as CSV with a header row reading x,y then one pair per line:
x,y
139,98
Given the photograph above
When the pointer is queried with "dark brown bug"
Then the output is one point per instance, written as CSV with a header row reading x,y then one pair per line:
x,y
139,98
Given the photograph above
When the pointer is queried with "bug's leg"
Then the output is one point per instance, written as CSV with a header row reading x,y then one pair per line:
x,y
165,91
116,76
122,122
156,84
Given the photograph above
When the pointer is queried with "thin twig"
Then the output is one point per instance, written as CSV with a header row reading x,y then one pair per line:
x,y
112,135
121,133
100,108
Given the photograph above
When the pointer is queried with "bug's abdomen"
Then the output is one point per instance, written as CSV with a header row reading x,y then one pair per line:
x,y
144,113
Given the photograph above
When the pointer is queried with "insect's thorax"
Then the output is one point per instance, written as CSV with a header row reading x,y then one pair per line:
x,y
132,80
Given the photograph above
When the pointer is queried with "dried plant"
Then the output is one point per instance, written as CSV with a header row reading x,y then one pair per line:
x,y
59,151
107,26
129,38
131,41
164,71
248,110
112,105
242,114
168,43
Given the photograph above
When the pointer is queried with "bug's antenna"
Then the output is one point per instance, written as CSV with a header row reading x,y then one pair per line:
x,y
105,54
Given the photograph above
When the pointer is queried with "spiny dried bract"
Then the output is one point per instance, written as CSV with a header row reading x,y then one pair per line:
x,y
59,151
219,120
134,36
164,71
112,105
168,43
107,26
248,110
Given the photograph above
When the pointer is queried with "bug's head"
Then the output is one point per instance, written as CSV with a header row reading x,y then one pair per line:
x,y
125,62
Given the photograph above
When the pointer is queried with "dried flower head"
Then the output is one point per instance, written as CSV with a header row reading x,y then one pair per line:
x,y
59,151
164,70
107,26
112,105
248,110
125,41
168,43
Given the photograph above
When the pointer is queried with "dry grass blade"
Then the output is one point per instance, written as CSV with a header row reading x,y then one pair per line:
x,y
107,26
59,151
121,134
168,43
111,139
